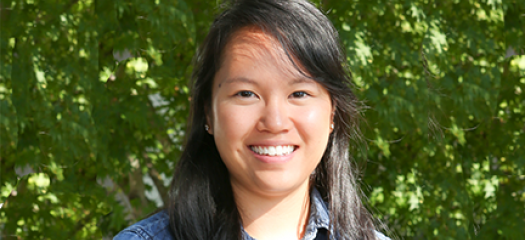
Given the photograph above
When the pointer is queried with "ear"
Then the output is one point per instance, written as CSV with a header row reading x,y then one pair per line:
x,y
209,121
332,116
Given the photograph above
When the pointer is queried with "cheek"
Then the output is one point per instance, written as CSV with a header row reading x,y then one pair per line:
x,y
315,118
313,124
231,124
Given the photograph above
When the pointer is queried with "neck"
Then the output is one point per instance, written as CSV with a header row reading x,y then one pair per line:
x,y
286,214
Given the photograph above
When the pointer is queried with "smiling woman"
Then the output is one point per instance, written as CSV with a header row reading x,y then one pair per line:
x,y
267,152
269,110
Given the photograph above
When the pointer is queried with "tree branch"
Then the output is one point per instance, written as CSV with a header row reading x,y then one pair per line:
x,y
157,180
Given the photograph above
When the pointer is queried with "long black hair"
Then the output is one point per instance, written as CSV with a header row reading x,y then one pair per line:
x,y
202,205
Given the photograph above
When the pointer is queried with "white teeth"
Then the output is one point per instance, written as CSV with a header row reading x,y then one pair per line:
x,y
273,150
290,149
279,150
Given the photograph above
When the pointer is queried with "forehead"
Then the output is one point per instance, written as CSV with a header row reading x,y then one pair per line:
x,y
252,41
251,44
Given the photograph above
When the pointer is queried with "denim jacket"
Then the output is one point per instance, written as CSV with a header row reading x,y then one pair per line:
x,y
156,227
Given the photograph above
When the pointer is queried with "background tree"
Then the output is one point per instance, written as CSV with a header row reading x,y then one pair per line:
x,y
94,100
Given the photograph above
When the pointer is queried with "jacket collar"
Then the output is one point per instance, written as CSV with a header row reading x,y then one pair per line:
x,y
319,217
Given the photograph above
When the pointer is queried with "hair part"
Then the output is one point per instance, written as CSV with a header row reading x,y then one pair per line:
x,y
202,205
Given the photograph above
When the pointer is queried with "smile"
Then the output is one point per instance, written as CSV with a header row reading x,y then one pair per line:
x,y
273,150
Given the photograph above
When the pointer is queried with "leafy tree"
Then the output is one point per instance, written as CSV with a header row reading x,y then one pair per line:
x,y
94,98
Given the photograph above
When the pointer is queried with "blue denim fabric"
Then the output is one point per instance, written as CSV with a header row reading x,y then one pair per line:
x,y
156,227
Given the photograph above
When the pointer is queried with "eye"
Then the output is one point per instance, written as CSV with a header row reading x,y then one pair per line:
x,y
299,94
245,94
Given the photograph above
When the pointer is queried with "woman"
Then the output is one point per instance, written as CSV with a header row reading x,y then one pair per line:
x,y
267,151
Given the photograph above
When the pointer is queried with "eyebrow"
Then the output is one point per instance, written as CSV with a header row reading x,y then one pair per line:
x,y
251,81
302,80
239,79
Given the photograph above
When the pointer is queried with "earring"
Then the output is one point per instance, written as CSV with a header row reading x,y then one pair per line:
x,y
206,127
332,126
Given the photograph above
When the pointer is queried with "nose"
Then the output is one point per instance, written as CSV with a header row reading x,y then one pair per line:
x,y
275,117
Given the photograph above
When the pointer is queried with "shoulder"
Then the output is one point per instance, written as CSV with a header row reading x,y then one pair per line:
x,y
153,227
319,213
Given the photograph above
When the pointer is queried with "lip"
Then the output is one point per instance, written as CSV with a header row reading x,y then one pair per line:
x,y
274,159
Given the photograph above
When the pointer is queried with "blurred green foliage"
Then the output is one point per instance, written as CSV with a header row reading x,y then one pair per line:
x,y
94,98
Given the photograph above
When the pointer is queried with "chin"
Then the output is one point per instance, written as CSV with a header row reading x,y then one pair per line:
x,y
279,184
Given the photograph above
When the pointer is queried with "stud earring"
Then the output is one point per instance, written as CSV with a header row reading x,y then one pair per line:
x,y
332,126
206,127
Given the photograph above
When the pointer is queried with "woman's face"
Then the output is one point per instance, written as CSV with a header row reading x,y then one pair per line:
x,y
270,123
